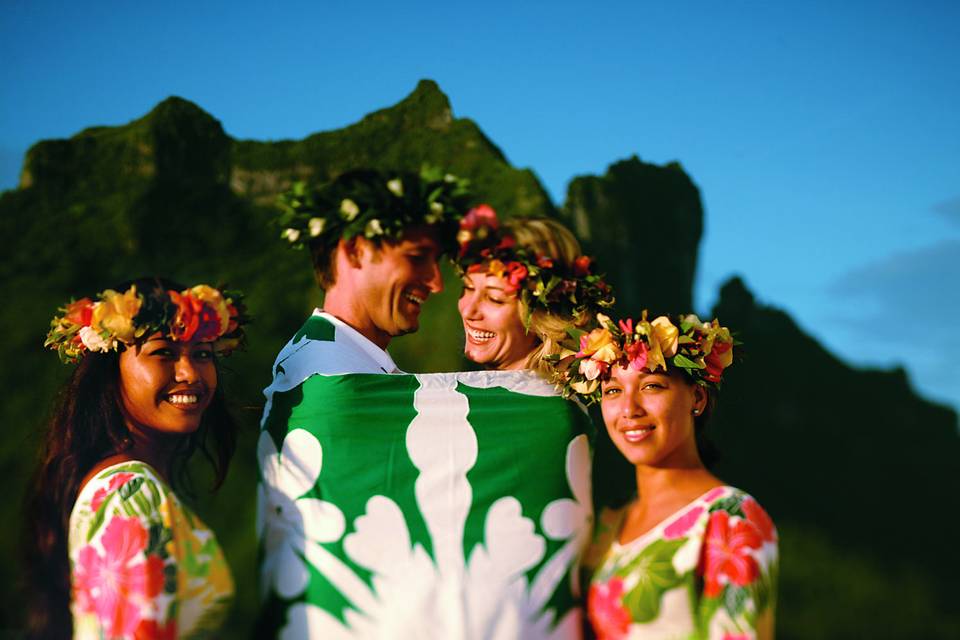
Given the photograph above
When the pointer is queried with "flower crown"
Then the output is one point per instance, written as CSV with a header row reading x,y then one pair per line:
x,y
373,204
702,350
539,281
199,313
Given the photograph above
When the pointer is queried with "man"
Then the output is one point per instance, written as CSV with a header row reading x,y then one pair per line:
x,y
374,239
444,505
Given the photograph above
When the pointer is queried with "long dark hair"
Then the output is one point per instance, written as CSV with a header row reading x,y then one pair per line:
x,y
86,426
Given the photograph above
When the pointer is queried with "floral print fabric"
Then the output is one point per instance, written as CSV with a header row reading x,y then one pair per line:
x,y
707,571
143,566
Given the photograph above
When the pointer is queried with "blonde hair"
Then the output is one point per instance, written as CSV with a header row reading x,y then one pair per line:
x,y
550,239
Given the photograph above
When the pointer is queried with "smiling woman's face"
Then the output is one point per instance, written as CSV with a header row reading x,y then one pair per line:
x,y
166,386
494,333
650,416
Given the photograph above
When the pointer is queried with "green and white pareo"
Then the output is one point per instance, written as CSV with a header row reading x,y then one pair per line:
x,y
450,505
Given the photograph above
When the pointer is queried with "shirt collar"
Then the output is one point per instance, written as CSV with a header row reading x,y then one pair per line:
x,y
381,357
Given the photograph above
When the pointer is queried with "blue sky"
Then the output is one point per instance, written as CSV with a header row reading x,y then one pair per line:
x,y
824,136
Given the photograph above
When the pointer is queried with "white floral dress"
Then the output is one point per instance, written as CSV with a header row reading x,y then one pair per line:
x,y
707,571
142,564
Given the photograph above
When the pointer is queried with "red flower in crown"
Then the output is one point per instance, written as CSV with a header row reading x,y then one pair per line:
x,y
715,361
581,266
80,312
515,273
195,320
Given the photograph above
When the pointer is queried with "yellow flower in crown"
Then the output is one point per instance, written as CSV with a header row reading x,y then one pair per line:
x,y
713,333
667,335
496,268
211,297
115,313
662,338
600,346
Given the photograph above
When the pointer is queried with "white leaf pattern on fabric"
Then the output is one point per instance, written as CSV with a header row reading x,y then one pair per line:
x,y
285,524
413,595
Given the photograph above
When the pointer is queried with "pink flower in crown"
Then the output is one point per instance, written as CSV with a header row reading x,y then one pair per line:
x,y
728,553
682,525
100,494
116,585
637,354
609,617
481,215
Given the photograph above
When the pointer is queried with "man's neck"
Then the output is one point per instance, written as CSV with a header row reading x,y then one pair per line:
x,y
338,303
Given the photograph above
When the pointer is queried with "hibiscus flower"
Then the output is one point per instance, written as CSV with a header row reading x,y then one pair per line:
x,y
728,553
117,584
759,518
605,607
287,522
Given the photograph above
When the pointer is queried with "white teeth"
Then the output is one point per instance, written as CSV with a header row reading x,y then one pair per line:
x,y
182,399
481,336
414,298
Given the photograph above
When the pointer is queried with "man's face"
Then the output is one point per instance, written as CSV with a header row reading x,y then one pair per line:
x,y
396,278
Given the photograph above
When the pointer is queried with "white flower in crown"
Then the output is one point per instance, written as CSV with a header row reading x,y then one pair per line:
x,y
396,187
94,341
373,228
292,235
349,209
285,520
316,226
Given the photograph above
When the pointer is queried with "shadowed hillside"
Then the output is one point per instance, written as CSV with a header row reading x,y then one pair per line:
x,y
849,462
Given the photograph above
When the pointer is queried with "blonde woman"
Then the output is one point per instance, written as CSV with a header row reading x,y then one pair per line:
x,y
525,283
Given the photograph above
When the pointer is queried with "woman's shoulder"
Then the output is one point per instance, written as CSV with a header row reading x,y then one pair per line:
x,y
127,489
729,506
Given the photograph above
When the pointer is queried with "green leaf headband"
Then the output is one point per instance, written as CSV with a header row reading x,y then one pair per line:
x,y
375,205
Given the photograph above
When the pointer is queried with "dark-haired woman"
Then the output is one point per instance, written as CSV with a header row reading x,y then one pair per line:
x,y
690,557
113,551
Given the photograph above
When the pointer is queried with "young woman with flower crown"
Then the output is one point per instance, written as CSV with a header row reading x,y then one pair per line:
x,y
112,550
691,557
525,281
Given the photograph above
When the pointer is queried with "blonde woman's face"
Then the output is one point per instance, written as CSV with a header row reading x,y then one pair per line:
x,y
493,331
